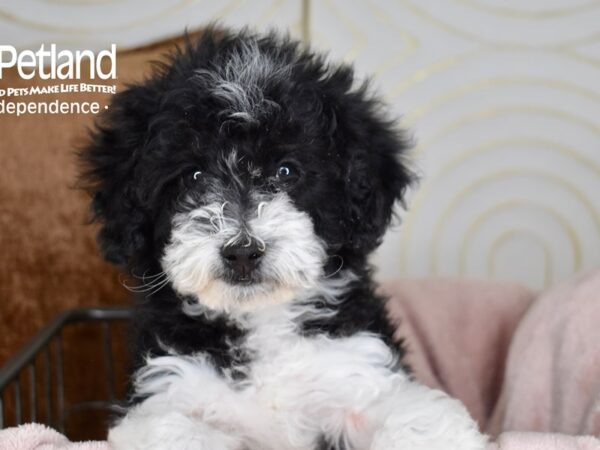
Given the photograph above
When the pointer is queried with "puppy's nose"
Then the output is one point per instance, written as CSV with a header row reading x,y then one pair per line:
x,y
242,258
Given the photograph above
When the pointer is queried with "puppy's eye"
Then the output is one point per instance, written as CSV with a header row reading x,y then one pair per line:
x,y
287,172
196,175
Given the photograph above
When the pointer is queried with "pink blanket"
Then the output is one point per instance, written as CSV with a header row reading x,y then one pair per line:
x,y
40,437
526,366
519,361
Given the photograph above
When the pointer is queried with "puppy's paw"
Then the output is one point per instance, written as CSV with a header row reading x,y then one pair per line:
x,y
171,431
444,424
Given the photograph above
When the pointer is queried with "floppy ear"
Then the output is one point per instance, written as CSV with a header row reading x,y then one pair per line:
x,y
377,175
110,163
375,182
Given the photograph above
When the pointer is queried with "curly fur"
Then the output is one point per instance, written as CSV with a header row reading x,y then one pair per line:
x,y
300,355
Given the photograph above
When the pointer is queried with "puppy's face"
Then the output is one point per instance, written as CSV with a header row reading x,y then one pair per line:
x,y
247,170
238,238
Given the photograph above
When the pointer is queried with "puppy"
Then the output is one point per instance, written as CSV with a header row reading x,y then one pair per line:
x,y
245,184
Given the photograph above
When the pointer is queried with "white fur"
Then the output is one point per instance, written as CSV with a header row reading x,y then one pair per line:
x,y
296,390
240,82
292,262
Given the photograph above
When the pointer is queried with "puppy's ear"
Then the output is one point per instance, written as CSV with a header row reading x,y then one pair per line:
x,y
377,174
111,175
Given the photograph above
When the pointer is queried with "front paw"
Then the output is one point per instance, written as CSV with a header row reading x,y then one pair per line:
x,y
443,424
170,431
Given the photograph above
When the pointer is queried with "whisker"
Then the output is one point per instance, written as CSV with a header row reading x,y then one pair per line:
x,y
261,244
260,208
145,277
158,280
158,287
233,240
335,272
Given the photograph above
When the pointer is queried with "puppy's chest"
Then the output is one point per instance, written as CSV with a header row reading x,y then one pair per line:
x,y
283,364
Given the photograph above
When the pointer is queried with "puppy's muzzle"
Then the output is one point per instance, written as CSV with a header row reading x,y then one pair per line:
x,y
242,259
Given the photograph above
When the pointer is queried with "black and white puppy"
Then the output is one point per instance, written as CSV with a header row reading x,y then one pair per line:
x,y
245,183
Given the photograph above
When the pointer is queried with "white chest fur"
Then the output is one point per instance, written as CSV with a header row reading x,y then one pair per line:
x,y
297,390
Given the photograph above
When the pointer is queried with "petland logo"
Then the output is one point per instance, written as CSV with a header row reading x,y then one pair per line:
x,y
65,66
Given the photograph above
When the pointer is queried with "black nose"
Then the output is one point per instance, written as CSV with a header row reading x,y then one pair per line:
x,y
242,258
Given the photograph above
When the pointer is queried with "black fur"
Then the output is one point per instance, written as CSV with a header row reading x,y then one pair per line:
x,y
157,132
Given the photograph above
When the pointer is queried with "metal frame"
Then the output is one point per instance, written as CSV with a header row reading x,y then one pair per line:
x,y
41,344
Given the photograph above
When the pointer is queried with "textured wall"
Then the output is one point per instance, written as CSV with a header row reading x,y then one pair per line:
x,y
130,23
502,97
